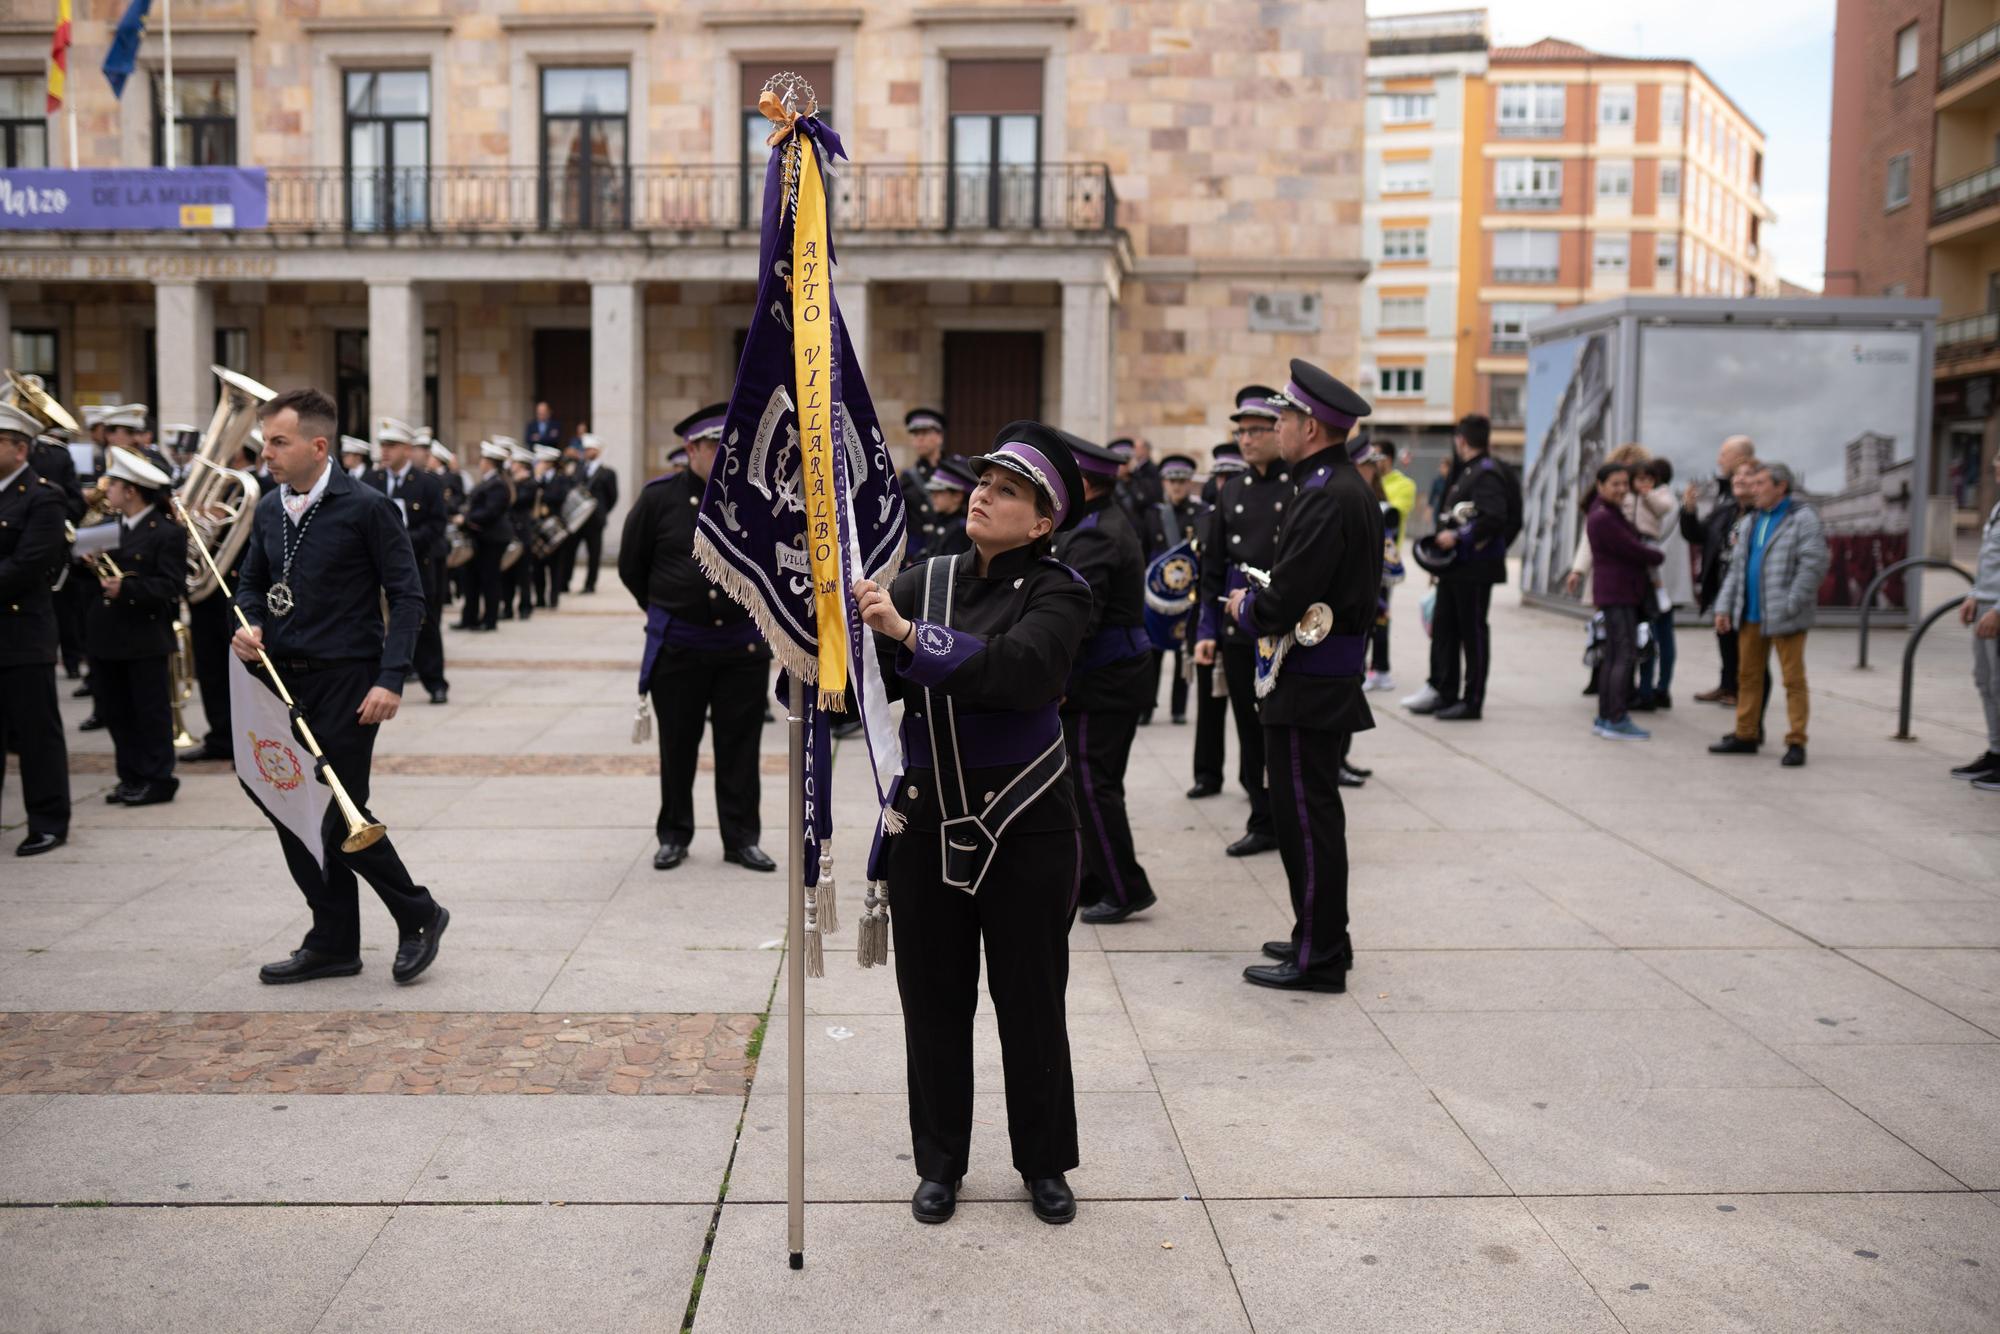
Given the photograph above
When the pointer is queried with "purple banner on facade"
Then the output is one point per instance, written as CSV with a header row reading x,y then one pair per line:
x,y
137,200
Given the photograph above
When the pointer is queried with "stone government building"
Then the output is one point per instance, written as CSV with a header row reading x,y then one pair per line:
x,y
1106,215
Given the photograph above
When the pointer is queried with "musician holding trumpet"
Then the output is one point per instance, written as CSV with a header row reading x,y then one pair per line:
x,y
323,552
129,628
31,546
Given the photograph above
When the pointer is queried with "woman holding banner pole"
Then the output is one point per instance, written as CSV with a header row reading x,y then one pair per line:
x,y
979,646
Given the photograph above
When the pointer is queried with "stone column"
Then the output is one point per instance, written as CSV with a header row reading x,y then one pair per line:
x,y
852,293
184,344
617,391
395,356
1085,406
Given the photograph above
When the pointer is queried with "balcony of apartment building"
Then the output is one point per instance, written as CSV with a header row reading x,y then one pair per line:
x,y
1964,234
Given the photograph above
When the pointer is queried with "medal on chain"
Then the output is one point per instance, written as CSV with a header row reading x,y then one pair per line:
x,y
278,599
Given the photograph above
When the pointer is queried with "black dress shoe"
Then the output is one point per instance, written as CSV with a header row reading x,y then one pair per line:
x,y
415,953
1200,790
1251,844
1281,950
1733,745
1180,720
1105,911
1358,771
121,794
669,856
935,1201
203,752
34,845
1645,703
91,724
750,857
154,794
440,696
1460,712
307,966
82,691
1146,718
1795,757
1349,778
1054,1201
1663,702
1287,977
461,625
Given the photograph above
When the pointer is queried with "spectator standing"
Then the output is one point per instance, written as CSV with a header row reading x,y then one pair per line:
x,y
1769,598
1651,509
544,429
1621,586
1707,521
1982,612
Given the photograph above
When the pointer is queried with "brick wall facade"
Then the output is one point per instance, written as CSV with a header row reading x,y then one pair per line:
x,y
1870,249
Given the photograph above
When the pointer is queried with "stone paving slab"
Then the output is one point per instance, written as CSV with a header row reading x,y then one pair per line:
x,y
1473,980
1809,996
864,1053
1938,1100
583,1149
1965,983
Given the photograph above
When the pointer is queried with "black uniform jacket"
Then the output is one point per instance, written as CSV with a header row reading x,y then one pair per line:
x,y
555,489
934,534
1242,530
423,493
604,485
352,553
487,509
1190,517
527,495
1114,668
58,469
1483,542
1329,550
1002,662
31,551
657,566
139,622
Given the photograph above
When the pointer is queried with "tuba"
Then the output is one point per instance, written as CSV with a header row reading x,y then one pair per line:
x,y
27,393
222,501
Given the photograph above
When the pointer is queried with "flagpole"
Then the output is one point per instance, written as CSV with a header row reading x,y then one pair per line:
x,y
795,982
173,134
69,110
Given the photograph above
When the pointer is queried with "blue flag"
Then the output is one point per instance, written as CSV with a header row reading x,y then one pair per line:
x,y
123,56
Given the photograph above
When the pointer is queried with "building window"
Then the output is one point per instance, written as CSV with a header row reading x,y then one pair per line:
x,y
204,120
1402,312
1407,108
388,149
232,349
585,168
756,129
1906,51
1670,180
1527,183
1503,400
1510,324
350,380
1614,181
1616,104
1666,257
1526,257
1406,243
1896,188
38,352
1610,253
1410,176
24,124
1673,107
1401,381
996,143
1530,109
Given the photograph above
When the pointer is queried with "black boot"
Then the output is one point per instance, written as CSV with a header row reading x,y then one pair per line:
x,y
935,1201
1054,1201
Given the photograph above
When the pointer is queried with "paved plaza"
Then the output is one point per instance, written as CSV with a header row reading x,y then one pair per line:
x,y
1637,1039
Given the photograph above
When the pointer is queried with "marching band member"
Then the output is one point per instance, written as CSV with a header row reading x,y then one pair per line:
x,y
705,660
517,586
555,484
488,521
603,483
1110,684
123,426
323,553
940,531
1177,518
1211,710
419,499
979,647
354,456
210,624
1328,560
926,428
129,633
31,551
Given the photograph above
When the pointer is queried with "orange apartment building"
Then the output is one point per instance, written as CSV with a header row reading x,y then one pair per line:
x,y
1588,176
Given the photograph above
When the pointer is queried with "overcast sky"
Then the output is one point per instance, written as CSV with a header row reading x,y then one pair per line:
x,y
1773,57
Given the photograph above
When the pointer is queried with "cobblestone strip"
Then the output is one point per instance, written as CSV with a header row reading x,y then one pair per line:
x,y
354,1052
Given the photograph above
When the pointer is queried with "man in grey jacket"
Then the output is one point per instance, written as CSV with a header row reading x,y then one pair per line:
x,y
1769,597
1982,612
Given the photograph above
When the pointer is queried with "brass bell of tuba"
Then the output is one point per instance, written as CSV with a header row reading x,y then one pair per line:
x,y
220,500
27,393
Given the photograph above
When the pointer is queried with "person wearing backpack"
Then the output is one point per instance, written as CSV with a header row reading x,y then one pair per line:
x,y
1461,645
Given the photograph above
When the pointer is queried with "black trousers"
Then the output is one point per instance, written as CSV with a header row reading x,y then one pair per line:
x,y
210,626
689,688
31,726
1726,646
521,581
132,699
566,565
1210,716
1311,825
1239,669
1378,644
1023,912
1617,663
1152,685
427,658
1177,693
1100,747
72,603
1458,630
593,542
482,586
330,700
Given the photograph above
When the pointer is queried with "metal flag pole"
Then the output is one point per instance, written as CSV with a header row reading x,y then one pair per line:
x,y
795,983
173,135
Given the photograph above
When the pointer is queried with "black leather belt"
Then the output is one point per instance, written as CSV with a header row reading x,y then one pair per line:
x,y
306,666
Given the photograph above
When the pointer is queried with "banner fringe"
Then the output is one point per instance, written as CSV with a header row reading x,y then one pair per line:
x,y
745,593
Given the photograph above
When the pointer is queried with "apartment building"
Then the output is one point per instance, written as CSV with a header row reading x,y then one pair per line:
x,y
1424,78
1108,216
1598,175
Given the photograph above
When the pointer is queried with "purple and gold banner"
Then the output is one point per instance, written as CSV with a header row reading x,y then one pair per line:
x,y
152,199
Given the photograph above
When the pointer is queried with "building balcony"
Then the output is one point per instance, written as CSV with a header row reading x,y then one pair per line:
x,y
1503,274
1542,203
1504,345
1969,57
1966,195
1967,336
1542,129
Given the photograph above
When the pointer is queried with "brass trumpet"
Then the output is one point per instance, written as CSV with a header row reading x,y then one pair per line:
x,y
181,665
362,832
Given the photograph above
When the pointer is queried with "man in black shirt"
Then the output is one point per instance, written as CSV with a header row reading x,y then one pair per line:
x,y
1465,590
324,552
31,551
705,660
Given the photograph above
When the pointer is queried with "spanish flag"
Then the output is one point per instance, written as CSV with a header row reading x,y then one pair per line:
x,y
59,58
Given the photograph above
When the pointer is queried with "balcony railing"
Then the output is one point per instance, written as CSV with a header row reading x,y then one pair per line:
x,y
1524,274
1527,203
1509,343
1968,57
1531,129
1051,197
1962,335
1966,195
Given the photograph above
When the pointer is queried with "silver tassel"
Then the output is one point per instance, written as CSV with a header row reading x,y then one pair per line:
x,y
829,920
642,722
815,953
871,943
